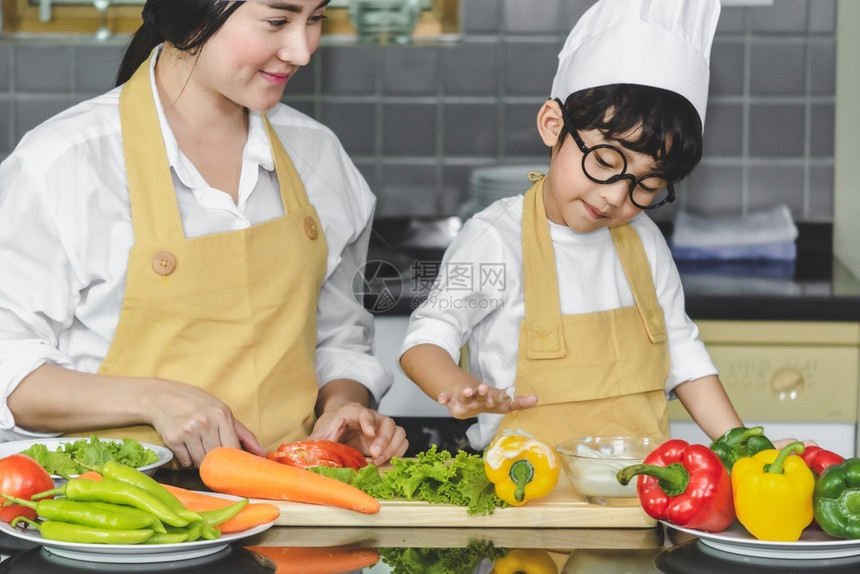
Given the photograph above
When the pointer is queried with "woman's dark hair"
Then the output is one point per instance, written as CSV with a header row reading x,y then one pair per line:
x,y
671,130
186,24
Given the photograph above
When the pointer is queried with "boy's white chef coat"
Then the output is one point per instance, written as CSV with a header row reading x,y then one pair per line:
x,y
478,297
65,232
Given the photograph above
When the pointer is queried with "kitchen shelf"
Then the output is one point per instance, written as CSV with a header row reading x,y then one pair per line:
x,y
439,21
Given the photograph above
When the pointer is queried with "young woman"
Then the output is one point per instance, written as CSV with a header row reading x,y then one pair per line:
x,y
179,252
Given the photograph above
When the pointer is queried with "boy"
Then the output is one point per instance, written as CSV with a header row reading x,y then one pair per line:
x,y
587,280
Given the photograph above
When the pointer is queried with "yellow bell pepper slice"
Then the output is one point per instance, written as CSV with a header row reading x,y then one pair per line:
x,y
526,561
520,467
773,493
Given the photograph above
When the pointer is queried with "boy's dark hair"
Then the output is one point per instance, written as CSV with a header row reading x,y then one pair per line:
x,y
186,24
664,117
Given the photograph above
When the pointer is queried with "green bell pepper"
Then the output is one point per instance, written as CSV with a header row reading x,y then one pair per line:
x,y
836,499
740,442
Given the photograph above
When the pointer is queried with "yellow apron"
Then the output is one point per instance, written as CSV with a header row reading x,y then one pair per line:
x,y
232,313
600,373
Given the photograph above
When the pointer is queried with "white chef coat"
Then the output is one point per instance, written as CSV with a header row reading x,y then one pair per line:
x,y
65,234
478,297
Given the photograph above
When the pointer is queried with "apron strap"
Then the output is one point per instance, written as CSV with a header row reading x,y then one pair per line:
x,y
631,252
146,162
293,192
543,324
147,166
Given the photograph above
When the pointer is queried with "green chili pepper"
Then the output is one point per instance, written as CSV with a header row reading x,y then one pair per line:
x,y
209,531
97,515
113,470
192,532
219,515
67,532
168,538
836,499
114,492
740,442
156,524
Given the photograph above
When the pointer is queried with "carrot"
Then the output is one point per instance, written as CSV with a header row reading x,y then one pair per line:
x,y
91,475
253,514
237,472
197,501
317,560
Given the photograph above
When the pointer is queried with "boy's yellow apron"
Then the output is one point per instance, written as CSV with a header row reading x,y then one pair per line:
x,y
601,373
233,313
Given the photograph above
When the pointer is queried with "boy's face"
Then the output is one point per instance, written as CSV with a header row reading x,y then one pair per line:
x,y
574,200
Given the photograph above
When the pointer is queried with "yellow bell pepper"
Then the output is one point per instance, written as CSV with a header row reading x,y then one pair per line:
x,y
520,467
527,561
773,493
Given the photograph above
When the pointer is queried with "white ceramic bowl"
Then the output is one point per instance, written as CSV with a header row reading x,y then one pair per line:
x,y
591,464
165,455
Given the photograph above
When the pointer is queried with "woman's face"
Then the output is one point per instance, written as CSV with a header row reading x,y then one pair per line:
x,y
572,199
250,59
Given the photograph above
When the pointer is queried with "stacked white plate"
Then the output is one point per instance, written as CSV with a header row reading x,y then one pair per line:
x,y
489,184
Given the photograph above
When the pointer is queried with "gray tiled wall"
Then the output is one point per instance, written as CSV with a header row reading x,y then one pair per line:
x,y
418,119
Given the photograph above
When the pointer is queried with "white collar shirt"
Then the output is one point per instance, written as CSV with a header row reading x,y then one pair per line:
x,y
65,231
478,298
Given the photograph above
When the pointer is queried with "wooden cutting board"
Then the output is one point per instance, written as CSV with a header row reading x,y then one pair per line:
x,y
561,539
562,508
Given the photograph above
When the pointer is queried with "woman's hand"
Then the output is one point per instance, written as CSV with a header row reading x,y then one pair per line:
x,y
361,427
466,401
192,422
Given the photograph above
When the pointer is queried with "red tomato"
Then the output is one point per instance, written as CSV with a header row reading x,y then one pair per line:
x,y
313,452
21,477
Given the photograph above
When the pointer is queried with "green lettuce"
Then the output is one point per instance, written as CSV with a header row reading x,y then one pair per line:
x,y
439,560
432,476
78,456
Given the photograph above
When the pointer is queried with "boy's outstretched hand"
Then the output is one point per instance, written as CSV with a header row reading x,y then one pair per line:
x,y
466,402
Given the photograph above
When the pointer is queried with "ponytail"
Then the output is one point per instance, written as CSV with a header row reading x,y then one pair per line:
x,y
185,24
139,49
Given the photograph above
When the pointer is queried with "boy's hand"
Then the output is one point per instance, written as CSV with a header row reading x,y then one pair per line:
x,y
783,442
467,402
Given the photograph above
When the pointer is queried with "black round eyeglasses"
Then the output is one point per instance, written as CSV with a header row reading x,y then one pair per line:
x,y
607,164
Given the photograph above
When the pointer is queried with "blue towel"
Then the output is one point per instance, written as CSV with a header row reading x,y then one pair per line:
x,y
752,252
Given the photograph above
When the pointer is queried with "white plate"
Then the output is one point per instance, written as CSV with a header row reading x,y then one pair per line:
x,y
72,564
134,553
814,544
165,455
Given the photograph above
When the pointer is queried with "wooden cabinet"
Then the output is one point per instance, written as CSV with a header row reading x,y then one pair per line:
x,y
440,18
796,373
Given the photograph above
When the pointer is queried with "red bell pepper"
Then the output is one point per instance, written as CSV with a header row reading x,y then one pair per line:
x,y
684,484
314,452
817,459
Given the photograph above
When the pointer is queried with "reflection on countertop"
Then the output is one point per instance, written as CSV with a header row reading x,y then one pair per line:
x,y
442,550
334,550
405,254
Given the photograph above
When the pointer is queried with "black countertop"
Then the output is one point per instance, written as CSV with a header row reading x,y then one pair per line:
x,y
334,550
476,554
814,287
438,551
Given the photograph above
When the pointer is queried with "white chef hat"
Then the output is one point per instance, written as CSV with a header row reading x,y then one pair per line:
x,y
660,43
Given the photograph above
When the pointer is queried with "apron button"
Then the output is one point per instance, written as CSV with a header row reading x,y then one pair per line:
x,y
164,262
311,228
